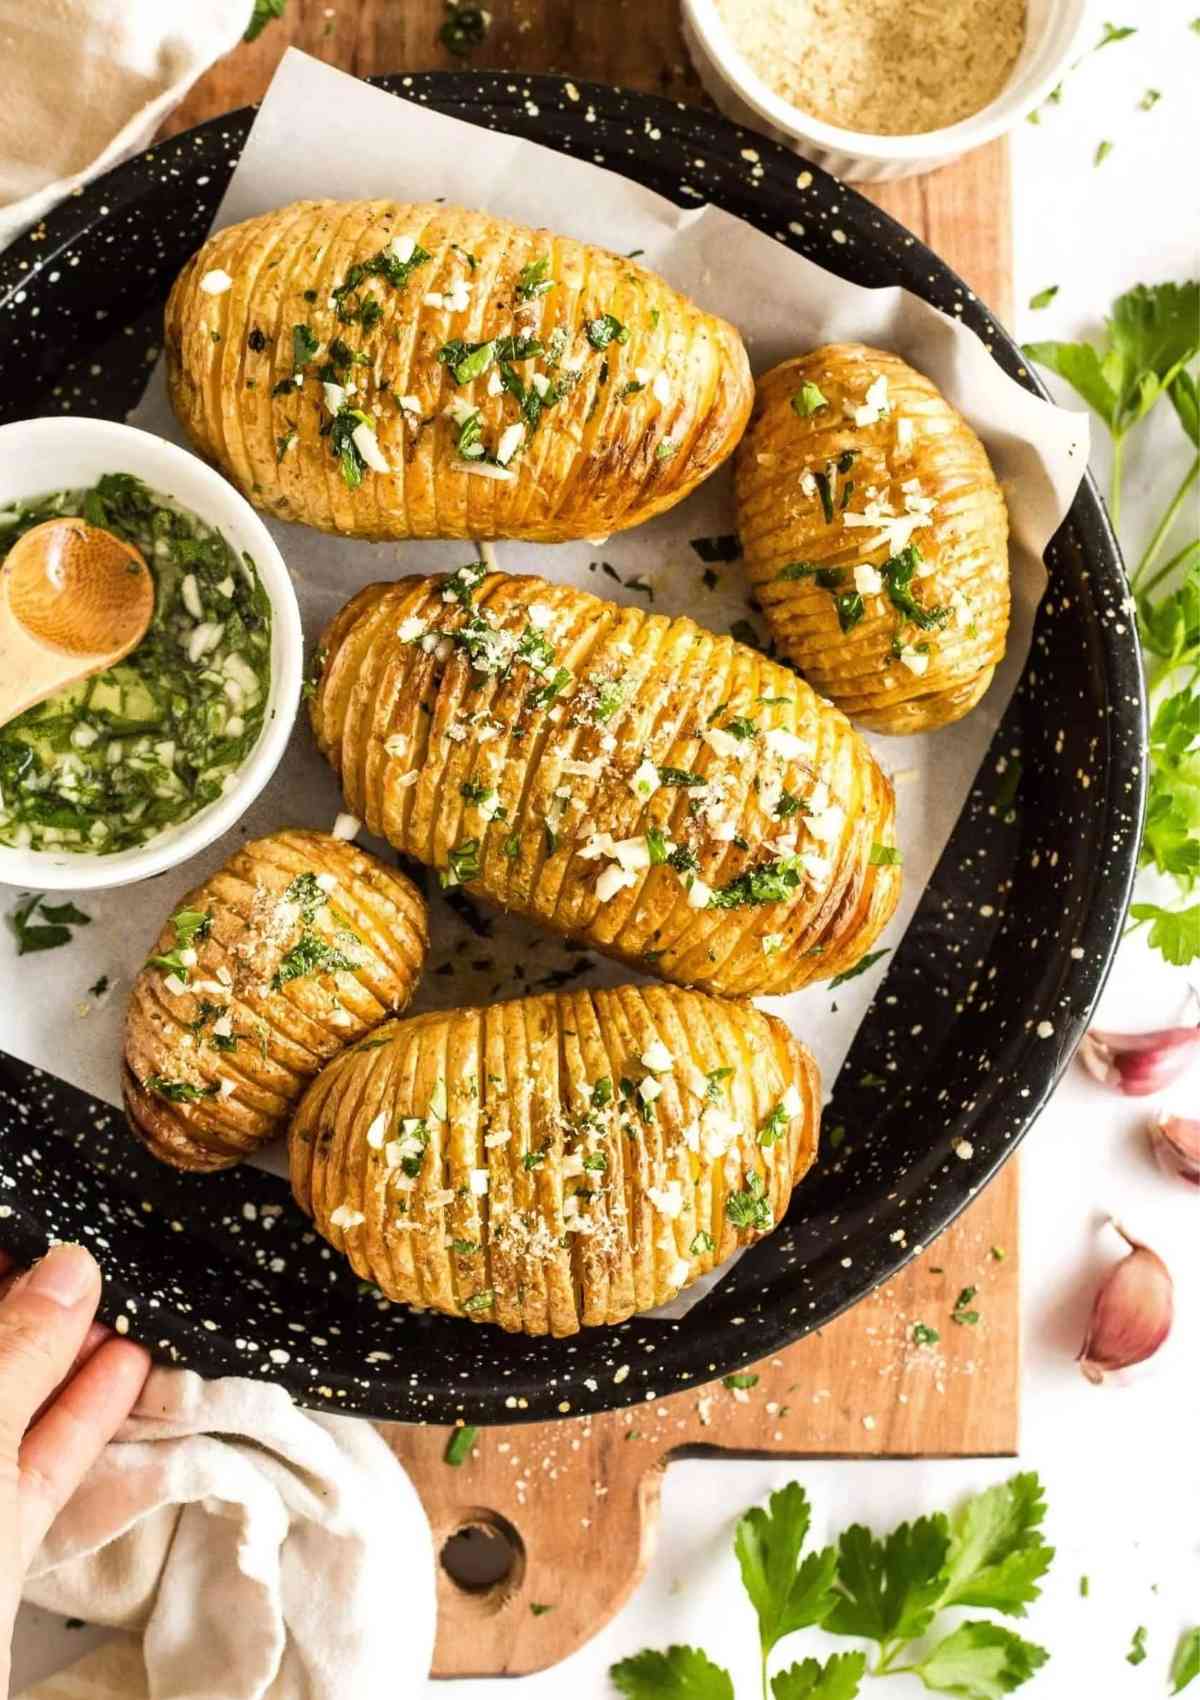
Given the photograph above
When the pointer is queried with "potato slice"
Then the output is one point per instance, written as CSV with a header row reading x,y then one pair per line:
x,y
875,537
296,947
327,357
671,798
556,1162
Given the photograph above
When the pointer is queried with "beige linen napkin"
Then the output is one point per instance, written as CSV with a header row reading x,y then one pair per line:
x,y
86,83
264,1552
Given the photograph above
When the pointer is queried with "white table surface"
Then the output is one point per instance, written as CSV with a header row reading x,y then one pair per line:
x,y
1121,1463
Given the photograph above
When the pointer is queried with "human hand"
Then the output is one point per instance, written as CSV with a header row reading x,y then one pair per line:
x,y
66,1385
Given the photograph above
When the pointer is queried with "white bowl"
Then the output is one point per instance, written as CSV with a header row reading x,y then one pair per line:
x,y
41,455
1051,35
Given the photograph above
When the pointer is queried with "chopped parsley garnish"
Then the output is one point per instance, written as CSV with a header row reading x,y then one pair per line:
x,y
44,926
787,806
602,1092
609,697
825,492
465,1248
305,891
534,279
179,1091
701,1243
924,1336
605,330
962,1313
897,573
740,1382
860,967
714,1083
461,1443
772,882
775,1126
311,954
797,570
347,299
656,845
263,13
304,346
1137,1647
463,582
465,28
750,1208
808,400
283,444
479,1301
411,1162
726,547
885,856
681,776
463,864
192,927
345,450
741,727
666,450
1043,298
596,1161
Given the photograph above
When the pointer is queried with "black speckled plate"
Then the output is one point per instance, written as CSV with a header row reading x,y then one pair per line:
x,y
999,970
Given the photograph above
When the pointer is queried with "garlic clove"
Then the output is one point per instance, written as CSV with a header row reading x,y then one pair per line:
x,y
1131,1313
1176,1144
1139,1064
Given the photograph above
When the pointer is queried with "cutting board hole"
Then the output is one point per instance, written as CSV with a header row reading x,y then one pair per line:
x,y
485,1556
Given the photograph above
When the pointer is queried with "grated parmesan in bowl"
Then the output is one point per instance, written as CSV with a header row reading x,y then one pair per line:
x,y
876,89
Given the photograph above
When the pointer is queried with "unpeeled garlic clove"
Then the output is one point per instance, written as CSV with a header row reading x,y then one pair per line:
x,y
1131,1313
1176,1143
1139,1063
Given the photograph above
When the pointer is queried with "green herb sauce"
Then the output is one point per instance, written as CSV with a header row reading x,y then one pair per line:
x,y
110,763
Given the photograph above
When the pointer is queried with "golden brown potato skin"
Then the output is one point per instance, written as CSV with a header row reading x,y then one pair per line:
x,y
608,455
438,756
540,1071
964,550
277,1038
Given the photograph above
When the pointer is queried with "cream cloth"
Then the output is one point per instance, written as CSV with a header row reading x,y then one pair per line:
x,y
87,82
266,1553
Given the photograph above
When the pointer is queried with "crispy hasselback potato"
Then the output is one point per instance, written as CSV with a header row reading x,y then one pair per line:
x,y
671,798
385,371
294,948
558,1161
875,536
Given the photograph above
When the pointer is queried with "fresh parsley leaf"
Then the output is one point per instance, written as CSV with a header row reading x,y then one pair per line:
x,y
860,967
264,12
837,1679
1185,1666
1115,32
1043,298
605,330
740,1382
884,856
179,1091
681,1673
460,1445
980,1661
534,279
1174,932
889,1590
750,1208
923,1335
1137,1647
997,1552
786,1594
311,954
1185,398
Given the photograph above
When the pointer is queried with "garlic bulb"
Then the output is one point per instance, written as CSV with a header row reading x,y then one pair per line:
x,y
1139,1063
1131,1313
1176,1144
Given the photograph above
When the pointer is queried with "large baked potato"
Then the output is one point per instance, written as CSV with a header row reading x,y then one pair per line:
x,y
557,1161
875,536
671,798
294,948
383,370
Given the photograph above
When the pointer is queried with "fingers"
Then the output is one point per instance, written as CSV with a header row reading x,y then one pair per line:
x,y
44,1322
66,1440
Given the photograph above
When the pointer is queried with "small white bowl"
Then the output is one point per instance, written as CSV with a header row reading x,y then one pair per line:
x,y
1051,36
41,455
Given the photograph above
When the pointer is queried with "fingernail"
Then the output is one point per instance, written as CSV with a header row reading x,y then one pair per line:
x,y
65,1275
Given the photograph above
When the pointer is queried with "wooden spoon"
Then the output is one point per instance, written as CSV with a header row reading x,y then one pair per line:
x,y
74,600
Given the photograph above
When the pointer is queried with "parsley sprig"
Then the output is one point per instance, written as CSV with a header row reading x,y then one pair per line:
x,y
1151,344
990,1554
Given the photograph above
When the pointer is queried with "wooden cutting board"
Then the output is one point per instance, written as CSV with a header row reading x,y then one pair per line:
x,y
568,1510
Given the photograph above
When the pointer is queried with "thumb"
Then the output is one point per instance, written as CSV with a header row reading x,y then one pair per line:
x,y
44,1319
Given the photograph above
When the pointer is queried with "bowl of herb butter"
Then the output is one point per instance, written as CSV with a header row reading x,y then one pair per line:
x,y
138,767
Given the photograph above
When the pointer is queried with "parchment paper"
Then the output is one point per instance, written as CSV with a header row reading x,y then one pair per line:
x,y
322,133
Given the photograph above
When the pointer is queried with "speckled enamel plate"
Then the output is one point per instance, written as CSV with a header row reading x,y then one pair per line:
x,y
1000,968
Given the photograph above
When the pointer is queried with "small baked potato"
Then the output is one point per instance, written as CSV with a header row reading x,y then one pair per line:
x,y
383,370
671,798
875,536
294,948
556,1162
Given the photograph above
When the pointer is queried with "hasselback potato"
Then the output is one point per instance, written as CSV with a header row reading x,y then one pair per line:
x,y
666,796
384,370
875,536
294,948
558,1161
